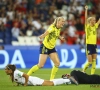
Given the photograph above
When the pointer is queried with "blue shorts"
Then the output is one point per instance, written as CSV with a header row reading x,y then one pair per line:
x,y
44,50
91,49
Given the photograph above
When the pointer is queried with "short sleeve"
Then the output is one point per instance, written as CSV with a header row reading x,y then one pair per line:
x,y
96,25
86,26
50,29
19,73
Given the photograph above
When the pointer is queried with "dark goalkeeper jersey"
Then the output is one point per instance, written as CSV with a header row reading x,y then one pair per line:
x,y
84,78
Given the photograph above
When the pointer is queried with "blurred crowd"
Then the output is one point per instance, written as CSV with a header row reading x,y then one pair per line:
x,y
32,17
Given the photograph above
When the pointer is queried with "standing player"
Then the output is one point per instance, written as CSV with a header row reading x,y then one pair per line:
x,y
25,80
48,47
91,40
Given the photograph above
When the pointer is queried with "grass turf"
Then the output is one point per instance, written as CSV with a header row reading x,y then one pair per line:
x,y
6,84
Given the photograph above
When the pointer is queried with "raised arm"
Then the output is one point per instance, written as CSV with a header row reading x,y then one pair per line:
x,y
98,22
86,9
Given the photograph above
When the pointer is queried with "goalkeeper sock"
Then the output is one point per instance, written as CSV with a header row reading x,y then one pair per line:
x,y
93,66
53,72
33,69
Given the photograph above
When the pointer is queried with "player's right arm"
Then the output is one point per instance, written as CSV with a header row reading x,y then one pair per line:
x,y
49,30
86,9
26,78
98,22
44,34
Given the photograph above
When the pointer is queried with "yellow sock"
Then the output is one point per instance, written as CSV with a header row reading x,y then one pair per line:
x,y
53,72
33,69
86,66
93,66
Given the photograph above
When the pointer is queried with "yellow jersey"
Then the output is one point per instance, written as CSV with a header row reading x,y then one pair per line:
x,y
50,40
91,34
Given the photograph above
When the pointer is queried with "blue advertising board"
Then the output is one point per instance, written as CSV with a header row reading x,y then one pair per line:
x,y
26,57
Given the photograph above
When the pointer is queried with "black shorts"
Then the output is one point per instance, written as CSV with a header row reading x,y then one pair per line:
x,y
91,49
44,50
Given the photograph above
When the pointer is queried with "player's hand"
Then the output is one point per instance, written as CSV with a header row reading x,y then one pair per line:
x,y
86,7
41,36
62,38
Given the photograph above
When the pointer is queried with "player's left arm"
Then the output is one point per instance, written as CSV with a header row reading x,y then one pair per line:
x,y
26,78
61,38
98,22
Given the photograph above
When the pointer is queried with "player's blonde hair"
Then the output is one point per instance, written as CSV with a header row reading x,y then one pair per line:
x,y
57,19
89,19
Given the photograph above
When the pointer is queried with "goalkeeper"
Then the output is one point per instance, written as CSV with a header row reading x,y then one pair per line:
x,y
83,78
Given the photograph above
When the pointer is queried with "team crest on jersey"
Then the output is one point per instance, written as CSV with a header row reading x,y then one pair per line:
x,y
46,50
50,28
88,51
96,50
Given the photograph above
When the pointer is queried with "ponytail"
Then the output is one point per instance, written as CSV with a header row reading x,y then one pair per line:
x,y
56,20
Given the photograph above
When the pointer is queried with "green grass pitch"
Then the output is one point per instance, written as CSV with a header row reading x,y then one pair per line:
x,y
6,84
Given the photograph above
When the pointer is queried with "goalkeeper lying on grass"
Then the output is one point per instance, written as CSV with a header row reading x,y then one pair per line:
x,y
23,79
83,78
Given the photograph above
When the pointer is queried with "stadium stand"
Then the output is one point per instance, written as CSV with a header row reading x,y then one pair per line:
x,y
22,21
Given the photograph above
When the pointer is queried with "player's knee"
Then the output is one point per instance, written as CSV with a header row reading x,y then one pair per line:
x,y
51,83
74,71
57,64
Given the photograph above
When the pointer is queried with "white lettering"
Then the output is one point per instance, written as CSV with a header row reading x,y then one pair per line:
x,y
64,58
98,59
6,60
83,51
18,59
